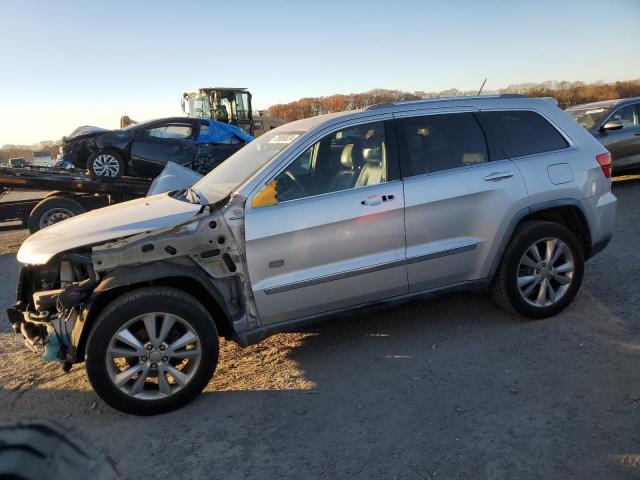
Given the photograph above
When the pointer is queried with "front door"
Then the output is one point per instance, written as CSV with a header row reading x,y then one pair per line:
x,y
161,143
332,235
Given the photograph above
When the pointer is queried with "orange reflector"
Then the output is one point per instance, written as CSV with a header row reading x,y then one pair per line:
x,y
18,181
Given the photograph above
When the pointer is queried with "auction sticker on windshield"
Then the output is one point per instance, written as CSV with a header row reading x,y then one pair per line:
x,y
284,138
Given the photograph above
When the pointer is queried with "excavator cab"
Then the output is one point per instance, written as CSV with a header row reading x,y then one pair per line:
x,y
227,105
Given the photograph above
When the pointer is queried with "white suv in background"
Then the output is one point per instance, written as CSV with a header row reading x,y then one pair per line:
x,y
42,159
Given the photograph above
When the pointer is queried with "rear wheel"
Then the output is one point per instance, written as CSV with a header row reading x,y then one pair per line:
x,y
105,164
52,210
541,271
152,350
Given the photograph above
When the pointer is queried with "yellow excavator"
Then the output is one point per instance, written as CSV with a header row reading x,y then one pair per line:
x,y
228,105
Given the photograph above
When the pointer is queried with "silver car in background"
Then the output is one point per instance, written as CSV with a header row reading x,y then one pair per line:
x,y
315,217
615,124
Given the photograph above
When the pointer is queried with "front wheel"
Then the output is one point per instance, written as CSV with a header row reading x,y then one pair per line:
x,y
541,271
152,350
105,164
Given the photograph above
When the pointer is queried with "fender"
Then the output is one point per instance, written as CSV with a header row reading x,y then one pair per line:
x,y
136,275
517,218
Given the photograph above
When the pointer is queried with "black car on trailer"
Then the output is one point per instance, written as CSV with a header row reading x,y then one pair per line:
x,y
144,149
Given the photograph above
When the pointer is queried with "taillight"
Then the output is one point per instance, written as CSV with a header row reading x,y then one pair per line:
x,y
604,159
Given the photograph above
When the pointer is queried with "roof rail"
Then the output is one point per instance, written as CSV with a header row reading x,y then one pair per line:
x,y
381,105
444,99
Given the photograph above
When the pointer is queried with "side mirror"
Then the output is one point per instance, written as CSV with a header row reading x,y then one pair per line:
x,y
611,125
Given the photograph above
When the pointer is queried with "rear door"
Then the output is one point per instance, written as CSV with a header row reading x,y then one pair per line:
x,y
624,144
458,202
170,141
332,234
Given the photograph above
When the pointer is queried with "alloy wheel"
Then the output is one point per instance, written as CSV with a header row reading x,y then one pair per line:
x,y
545,272
153,356
106,165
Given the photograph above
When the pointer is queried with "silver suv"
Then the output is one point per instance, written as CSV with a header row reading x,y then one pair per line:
x,y
315,217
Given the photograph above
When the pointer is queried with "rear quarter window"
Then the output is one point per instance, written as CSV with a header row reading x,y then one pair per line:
x,y
516,133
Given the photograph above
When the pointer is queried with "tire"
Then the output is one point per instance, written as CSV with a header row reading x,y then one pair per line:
x,y
105,163
553,285
52,210
158,303
32,451
58,193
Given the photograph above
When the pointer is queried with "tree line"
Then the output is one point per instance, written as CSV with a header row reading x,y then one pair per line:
x,y
566,93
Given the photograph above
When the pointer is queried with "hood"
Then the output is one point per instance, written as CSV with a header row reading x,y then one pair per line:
x,y
116,221
173,177
84,131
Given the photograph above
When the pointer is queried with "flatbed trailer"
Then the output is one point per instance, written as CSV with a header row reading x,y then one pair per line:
x,y
70,193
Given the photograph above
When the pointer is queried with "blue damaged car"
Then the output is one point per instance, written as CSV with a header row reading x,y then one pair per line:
x,y
143,149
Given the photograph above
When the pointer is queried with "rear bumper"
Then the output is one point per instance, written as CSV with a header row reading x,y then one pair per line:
x,y
600,246
602,218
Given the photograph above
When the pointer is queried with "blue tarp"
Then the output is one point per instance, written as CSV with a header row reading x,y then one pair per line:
x,y
219,132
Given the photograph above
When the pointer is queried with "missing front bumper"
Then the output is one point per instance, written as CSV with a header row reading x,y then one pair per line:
x,y
45,335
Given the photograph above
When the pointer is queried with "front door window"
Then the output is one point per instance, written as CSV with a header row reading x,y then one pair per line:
x,y
350,158
627,116
171,131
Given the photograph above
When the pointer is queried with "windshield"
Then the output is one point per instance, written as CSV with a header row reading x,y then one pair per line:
x,y
588,117
243,164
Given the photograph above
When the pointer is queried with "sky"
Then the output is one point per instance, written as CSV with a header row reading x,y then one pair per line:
x,y
64,64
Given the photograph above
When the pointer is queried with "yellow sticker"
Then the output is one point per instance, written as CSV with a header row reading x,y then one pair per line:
x,y
266,196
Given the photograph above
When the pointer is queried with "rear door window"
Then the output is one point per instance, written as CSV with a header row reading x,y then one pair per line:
x,y
515,133
433,143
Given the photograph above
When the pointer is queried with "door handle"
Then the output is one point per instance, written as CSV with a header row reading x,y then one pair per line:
x,y
637,134
497,176
376,200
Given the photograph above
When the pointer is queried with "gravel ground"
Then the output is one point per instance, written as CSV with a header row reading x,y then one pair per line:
x,y
450,387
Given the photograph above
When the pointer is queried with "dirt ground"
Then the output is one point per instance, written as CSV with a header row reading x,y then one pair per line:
x,y
449,387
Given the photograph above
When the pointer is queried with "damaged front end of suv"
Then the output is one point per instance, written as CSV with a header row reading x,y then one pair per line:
x,y
50,305
141,291
60,295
